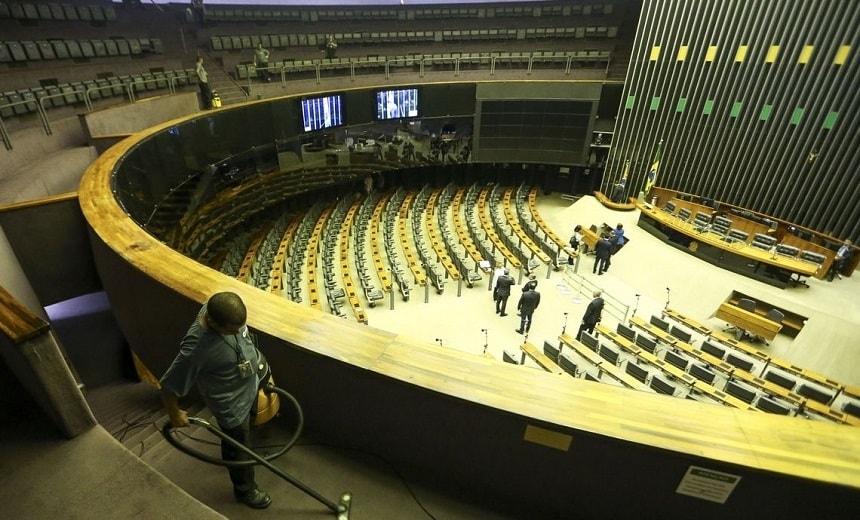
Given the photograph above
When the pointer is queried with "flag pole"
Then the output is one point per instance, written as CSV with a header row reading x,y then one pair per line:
x,y
651,176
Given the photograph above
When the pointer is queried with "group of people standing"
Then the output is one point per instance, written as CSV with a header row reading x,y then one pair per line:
x,y
528,302
607,245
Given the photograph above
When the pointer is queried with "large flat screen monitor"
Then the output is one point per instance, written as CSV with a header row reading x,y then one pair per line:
x,y
396,103
322,112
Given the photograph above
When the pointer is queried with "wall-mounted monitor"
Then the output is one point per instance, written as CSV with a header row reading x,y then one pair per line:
x,y
396,103
322,112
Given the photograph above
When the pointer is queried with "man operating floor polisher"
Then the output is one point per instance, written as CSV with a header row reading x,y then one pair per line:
x,y
218,355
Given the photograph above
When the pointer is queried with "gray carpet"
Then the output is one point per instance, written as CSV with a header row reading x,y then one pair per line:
x,y
91,476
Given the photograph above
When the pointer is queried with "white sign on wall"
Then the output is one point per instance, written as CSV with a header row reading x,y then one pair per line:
x,y
708,484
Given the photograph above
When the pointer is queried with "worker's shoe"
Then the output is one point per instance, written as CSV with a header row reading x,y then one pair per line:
x,y
255,498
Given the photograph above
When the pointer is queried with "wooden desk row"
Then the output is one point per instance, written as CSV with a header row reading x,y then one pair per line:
x,y
744,251
792,322
603,365
312,261
547,364
434,234
748,321
349,287
786,232
561,243
277,273
412,261
510,258
542,360
514,221
461,230
675,372
375,241
734,372
752,351
727,369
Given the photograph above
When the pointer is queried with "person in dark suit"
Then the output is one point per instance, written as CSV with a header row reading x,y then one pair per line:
x,y
617,238
592,315
529,301
843,255
503,291
531,284
602,253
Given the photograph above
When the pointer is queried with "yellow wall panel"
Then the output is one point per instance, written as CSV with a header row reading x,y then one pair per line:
x,y
711,55
805,54
741,55
655,53
682,52
842,55
772,54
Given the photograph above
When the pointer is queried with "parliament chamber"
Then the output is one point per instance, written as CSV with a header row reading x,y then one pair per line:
x,y
332,233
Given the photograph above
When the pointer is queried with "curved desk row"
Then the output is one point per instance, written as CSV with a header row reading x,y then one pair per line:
x,y
735,256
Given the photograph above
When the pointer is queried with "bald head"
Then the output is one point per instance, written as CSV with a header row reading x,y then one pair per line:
x,y
226,312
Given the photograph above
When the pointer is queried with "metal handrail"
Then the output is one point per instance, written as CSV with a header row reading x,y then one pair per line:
x,y
88,98
134,82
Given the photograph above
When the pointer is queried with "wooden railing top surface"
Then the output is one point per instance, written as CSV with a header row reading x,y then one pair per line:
x,y
17,322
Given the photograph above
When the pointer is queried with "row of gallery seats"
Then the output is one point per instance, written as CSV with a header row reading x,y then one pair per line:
x,y
286,14
57,49
26,11
660,356
283,41
129,86
450,60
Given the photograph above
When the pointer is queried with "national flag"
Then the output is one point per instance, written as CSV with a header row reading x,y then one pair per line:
x,y
651,177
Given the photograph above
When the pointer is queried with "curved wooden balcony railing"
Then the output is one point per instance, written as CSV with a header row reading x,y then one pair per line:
x,y
493,428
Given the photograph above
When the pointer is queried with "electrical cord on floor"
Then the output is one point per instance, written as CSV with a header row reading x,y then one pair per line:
x,y
390,465
129,425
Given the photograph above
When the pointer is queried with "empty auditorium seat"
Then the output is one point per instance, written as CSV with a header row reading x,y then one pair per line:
x,y
626,331
702,373
851,408
551,351
661,386
785,250
742,392
813,257
736,235
610,354
780,379
739,362
646,343
714,350
702,221
659,323
762,241
815,393
769,405
636,371
16,51
589,341
680,333
676,359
